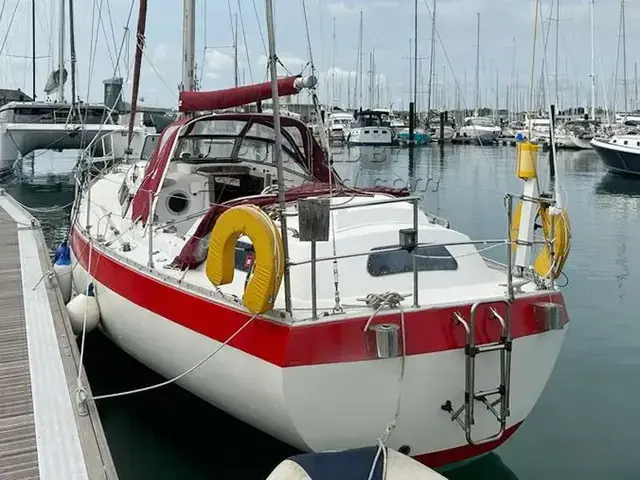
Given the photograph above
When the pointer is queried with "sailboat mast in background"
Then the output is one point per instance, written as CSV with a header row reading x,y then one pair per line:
x,y
61,30
593,70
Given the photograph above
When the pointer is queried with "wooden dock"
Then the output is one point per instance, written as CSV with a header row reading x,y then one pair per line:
x,y
42,435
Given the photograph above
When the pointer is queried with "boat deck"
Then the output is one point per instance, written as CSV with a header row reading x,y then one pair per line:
x,y
41,433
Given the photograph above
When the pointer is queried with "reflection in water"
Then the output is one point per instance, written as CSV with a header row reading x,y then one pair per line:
x,y
489,466
50,197
581,161
612,184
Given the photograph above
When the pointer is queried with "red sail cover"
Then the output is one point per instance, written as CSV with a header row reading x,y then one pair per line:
x,y
233,97
156,168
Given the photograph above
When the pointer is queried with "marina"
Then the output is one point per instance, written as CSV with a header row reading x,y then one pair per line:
x,y
327,270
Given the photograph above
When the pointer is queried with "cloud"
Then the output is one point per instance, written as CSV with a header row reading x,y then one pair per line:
x,y
338,73
292,64
341,8
216,61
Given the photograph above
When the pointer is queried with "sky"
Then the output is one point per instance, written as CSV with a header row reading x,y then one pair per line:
x,y
506,26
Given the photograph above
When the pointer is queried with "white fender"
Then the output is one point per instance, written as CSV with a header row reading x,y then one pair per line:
x,y
77,307
63,274
63,270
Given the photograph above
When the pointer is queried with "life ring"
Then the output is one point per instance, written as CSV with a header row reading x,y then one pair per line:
x,y
544,265
263,286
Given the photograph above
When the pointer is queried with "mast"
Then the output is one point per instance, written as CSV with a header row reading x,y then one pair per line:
x,y
431,58
410,68
278,150
624,58
188,45
33,47
359,84
415,59
635,93
557,50
511,94
61,30
497,90
371,74
236,78
140,41
478,68
72,51
333,69
593,70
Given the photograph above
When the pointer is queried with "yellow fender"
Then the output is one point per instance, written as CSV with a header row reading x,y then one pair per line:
x,y
264,284
544,265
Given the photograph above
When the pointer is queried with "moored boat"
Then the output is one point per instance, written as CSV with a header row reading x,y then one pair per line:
x,y
236,263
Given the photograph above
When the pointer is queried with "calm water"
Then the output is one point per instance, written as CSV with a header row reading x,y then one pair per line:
x,y
583,426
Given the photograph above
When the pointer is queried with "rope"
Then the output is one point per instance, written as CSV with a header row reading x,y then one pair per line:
x,y
377,301
81,392
177,377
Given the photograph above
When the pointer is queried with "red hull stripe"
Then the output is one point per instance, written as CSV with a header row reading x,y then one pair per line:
x,y
334,342
465,452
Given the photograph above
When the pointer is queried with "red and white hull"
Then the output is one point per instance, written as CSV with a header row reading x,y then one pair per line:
x,y
315,385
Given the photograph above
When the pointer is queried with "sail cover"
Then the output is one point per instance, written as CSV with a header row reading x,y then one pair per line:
x,y
235,97
155,170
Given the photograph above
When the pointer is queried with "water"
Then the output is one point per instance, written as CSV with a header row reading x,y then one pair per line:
x,y
582,426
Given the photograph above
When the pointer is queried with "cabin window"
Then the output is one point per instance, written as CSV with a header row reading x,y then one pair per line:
x,y
626,142
375,131
401,261
148,146
178,203
244,256
384,132
366,131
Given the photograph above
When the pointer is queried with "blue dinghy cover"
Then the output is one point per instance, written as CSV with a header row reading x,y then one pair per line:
x,y
346,465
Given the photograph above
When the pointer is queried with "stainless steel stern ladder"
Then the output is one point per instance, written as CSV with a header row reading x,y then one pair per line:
x,y
493,397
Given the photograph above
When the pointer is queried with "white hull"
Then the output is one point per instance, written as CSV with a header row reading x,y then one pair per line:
x,y
350,402
481,134
370,136
20,139
581,143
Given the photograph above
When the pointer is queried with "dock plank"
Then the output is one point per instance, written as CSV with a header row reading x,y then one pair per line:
x,y
41,433
18,449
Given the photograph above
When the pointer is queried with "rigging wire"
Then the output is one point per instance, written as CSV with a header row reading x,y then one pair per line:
x,y
244,40
306,26
104,32
6,36
113,33
204,41
264,45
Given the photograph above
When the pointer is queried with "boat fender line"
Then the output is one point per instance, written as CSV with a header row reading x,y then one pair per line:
x,y
544,265
268,265
209,356
378,301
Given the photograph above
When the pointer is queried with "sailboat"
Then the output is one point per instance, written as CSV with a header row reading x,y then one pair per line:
x,y
58,125
235,263
481,129
621,152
